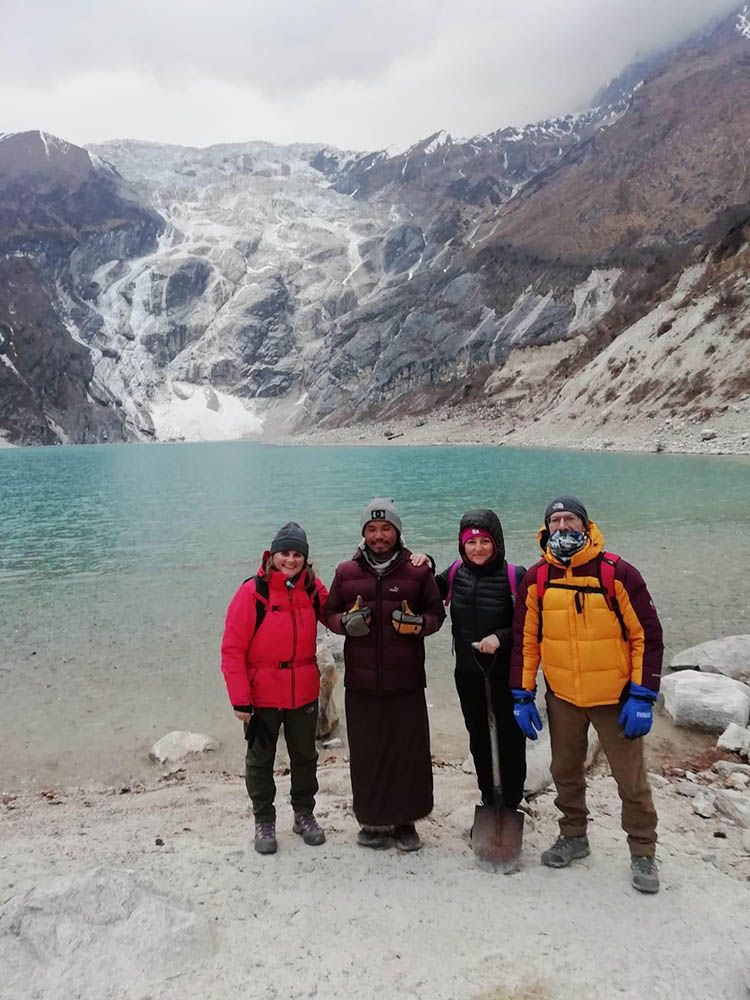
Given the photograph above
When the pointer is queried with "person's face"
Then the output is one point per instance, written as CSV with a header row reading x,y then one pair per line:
x,y
479,550
289,563
563,520
380,536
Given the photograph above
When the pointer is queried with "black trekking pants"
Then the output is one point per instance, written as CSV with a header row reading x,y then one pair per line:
x,y
300,725
512,742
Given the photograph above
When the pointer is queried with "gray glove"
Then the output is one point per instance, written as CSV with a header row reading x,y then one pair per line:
x,y
356,620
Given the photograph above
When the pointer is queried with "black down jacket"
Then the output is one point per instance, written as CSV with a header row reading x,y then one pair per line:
x,y
481,598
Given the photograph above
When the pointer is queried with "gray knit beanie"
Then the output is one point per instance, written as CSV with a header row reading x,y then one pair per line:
x,y
572,504
381,509
290,538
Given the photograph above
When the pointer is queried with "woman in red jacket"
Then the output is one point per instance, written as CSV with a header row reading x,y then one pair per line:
x,y
269,665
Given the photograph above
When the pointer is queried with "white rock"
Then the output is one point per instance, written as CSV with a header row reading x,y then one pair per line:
x,y
468,766
707,434
729,656
726,767
328,709
178,745
738,780
334,744
746,841
688,788
705,701
703,804
461,818
98,932
735,738
657,780
735,805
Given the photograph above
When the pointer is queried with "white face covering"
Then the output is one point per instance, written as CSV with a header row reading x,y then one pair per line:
x,y
564,544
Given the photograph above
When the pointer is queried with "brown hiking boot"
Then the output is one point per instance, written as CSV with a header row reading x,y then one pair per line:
x,y
644,874
564,850
306,825
265,837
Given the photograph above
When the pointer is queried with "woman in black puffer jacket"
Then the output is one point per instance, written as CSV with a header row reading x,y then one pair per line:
x,y
481,608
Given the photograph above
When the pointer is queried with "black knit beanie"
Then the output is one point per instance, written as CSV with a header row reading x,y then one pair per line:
x,y
290,538
571,504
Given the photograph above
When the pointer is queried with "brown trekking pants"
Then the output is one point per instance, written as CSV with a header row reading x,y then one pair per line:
x,y
568,727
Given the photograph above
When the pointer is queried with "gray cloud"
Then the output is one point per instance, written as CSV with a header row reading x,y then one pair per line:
x,y
360,75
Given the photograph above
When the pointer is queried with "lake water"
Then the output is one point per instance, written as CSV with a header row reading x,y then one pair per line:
x,y
118,561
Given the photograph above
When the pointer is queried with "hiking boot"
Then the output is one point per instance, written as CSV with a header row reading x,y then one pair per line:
x,y
265,837
643,873
564,850
407,838
307,825
378,840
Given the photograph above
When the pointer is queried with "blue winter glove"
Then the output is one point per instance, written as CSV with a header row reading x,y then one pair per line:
x,y
525,713
637,713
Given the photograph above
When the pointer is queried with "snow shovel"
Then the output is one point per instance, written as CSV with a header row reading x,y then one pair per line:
x,y
497,834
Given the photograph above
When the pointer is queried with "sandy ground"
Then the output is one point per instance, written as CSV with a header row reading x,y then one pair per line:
x,y
341,921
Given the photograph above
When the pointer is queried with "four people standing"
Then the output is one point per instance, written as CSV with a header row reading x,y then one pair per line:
x,y
584,613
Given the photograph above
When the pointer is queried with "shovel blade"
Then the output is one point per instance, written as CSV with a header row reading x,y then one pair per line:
x,y
497,837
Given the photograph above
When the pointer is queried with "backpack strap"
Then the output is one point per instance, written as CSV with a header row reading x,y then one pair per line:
x,y
607,569
542,579
451,576
513,580
262,597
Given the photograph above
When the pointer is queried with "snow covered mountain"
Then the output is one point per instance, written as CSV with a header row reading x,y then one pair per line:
x,y
163,292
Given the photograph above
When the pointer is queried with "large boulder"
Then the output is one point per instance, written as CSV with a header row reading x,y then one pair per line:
x,y
729,656
177,746
705,701
97,933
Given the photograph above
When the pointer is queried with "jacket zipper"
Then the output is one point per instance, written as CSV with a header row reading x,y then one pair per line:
x,y
294,644
378,604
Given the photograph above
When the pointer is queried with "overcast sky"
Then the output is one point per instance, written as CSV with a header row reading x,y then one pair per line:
x,y
354,73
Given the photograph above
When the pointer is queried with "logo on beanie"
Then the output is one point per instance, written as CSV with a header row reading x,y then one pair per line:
x,y
557,506
377,515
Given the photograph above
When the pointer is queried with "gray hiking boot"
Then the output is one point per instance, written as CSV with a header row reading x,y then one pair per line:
x,y
265,837
406,838
643,873
306,825
378,840
564,850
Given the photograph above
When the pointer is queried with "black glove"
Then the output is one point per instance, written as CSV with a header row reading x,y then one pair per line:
x,y
406,622
257,729
356,620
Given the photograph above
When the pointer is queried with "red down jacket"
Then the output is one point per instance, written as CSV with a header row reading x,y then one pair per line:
x,y
275,667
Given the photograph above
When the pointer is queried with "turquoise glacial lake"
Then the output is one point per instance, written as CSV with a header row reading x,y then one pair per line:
x,y
118,561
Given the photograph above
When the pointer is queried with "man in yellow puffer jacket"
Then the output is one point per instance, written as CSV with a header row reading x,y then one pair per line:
x,y
588,616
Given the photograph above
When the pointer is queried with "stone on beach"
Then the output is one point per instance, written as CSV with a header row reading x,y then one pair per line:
x,y
328,713
96,932
705,701
178,745
735,805
729,656
704,804
735,738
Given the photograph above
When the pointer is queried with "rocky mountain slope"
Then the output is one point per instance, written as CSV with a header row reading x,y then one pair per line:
x,y
593,267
